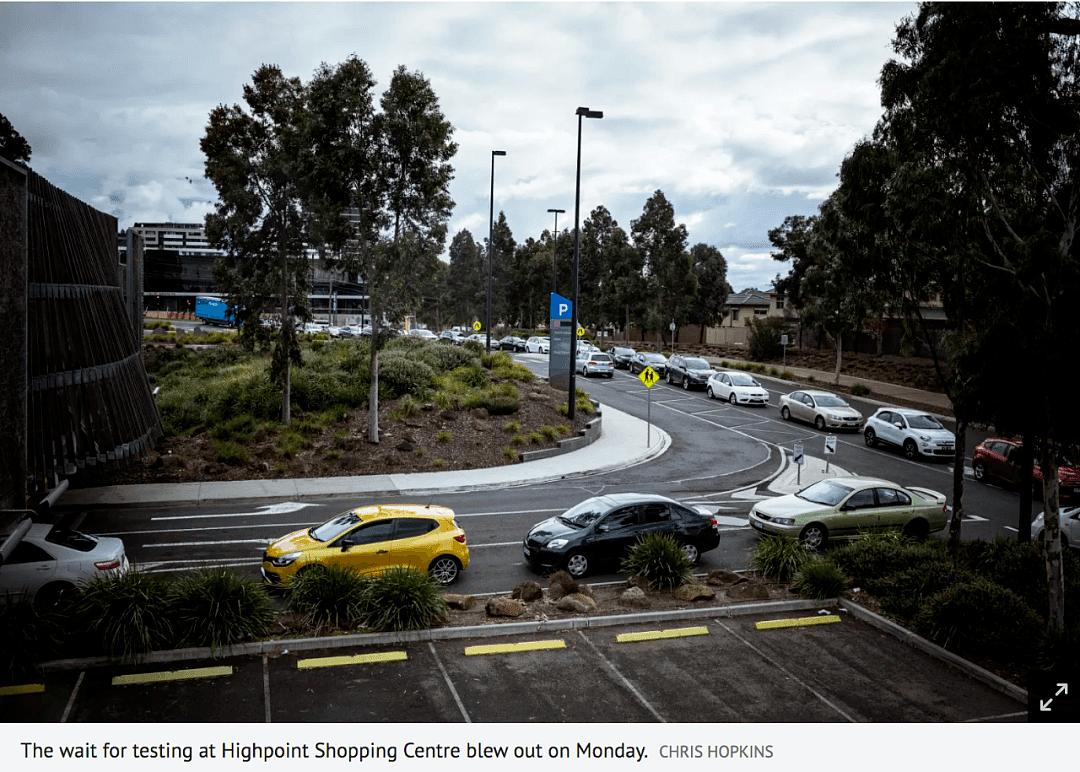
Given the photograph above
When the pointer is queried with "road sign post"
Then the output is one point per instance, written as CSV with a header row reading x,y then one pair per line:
x,y
830,448
559,364
797,457
649,378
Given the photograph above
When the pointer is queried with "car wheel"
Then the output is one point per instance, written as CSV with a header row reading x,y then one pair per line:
x,y
819,424
692,553
917,529
584,371
709,391
732,399
52,595
815,536
979,469
785,413
445,569
686,384
911,451
577,564
871,438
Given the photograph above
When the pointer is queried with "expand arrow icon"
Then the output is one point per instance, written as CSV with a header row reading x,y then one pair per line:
x,y
1062,689
1044,705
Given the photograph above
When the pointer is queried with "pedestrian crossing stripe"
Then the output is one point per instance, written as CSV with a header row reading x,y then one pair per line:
x,y
824,619
655,635
510,648
172,675
356,659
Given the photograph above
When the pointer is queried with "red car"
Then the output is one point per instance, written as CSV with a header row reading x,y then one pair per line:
x,y
999,458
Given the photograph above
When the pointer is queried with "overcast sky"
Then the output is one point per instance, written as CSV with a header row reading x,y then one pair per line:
x,y
740,113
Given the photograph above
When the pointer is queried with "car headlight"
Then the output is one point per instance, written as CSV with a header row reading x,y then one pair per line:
x,y
924,438
784,520
284,560
556,544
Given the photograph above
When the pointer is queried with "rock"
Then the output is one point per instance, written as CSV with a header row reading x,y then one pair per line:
x,y
528,591
577,603
406,447
748,591
639,581
721,578
504,607
480,413
634,598
460,602
694,592
448,415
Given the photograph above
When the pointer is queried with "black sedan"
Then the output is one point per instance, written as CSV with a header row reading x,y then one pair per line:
x,y
512,343
600,530
621,356
691,372
643,359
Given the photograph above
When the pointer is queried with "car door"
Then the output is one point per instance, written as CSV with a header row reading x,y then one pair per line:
x,y
887,429
27,569
413,544
365,549
856,515
799,409
894,509
614,534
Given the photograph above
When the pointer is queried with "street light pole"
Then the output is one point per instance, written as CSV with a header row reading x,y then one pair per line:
x,y
491,243
555,244
582,112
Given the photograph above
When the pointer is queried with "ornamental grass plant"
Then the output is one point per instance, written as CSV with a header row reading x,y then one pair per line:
x,y
659,559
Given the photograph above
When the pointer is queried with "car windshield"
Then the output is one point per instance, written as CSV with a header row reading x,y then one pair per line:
x,y
825,492
599,358
742,379
73,539
332,529
828,400
923,422
584,514
693,363
623,351
659,358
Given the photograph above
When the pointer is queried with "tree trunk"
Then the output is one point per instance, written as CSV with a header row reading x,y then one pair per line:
x,y
373,390
839,356
1052,540
286,339
958,485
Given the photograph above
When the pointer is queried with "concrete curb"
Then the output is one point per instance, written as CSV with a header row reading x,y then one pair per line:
x,y
438,634
925,646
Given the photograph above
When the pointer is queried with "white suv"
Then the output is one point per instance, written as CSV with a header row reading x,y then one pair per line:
x,y
537,345
916,432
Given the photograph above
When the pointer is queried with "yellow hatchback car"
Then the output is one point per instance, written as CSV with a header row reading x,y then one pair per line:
x,y
372,539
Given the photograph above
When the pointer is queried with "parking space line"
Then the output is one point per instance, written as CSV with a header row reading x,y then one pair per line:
x,y
622,679
994,718
785,671
510,648
10,691
71,699
655,635
449,684
172,675
355,659
773,624
266,689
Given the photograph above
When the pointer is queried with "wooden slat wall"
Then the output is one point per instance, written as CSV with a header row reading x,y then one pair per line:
x,y
90,407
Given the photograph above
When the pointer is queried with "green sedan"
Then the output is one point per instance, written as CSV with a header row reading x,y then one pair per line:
x,y
845,507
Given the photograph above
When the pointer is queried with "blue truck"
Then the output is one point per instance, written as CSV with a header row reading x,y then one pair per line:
x,y
213,311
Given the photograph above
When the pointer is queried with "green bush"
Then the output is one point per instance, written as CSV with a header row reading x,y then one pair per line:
x,y
764,338
404,599
819,578
239,428
903,593
860,390
444,359
124,616
31,635
1056,649
230,453
330,595
406,406
778,558
659,559
289,444
473,376
500,399
979,619
872,558
217,607
404,374
1019,566
474,347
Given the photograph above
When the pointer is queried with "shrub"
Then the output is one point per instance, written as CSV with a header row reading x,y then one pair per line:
x,y
501,399
404,599
860,390
289,444
31,635
473,376
512,427
819,578
517,439
1056,649
903,593
238,428
444,359
330,595
406,406
1021,567
778,558
405,374
787,375
126,615
474,346
871,559
659,559
230,453
535,438
217,607
550,432
764,338
442,436
979,619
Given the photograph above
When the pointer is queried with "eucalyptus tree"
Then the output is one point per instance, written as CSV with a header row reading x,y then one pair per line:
x,y
669,268
13,146
467,278
710,270
262,221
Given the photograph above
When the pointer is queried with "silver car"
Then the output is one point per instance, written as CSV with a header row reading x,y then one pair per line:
x,y
820,408
595,363
915,432
1070,527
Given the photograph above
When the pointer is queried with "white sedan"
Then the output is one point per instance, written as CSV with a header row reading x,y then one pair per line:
x,y
737,388
49,562
820,408
538,345
416,332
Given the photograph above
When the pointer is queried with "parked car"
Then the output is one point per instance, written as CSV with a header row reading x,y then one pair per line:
x,y
595,363
423,334
736,387
452,336
538,345
479,337
999,458
844,507
689,371
600,530
643,359
820,408
50,562
1070,527
621,356
347,332
915,432
511,343
371,540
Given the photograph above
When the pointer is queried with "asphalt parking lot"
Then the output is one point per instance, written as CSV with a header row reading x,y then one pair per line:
x,y
712,669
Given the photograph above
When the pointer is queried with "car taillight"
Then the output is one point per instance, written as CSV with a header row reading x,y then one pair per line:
x,y
460,538
107,565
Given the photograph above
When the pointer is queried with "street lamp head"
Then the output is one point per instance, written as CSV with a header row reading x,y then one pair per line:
x,y
498,152
557,211
585,111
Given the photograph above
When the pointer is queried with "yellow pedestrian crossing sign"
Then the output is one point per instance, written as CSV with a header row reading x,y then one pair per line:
x,y
476,326
648,377
580,331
